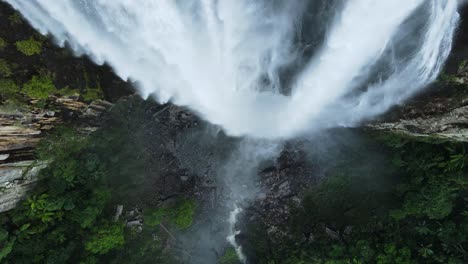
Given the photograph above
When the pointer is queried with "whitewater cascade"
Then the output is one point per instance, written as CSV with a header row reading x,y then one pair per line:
x,y
226,59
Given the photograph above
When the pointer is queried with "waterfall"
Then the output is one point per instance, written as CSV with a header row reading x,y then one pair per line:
x,y
226,59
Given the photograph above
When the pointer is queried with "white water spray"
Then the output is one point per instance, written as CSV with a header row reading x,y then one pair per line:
x,y
223,58
234,232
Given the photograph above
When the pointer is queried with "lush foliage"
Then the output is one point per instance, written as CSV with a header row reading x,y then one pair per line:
x,y
229,257
69,217
63,217
180,214
8,89
29,47
39,87
92,94
424,219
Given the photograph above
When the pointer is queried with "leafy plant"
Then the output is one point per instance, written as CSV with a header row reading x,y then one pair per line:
x,y
29,47
179,214
182,214
5,69
39,87
92,94
229,257
8,89
106,238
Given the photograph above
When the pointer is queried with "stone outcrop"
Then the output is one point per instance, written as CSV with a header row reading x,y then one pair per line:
x,y
16,179
21,131
440,112
283,185
452,125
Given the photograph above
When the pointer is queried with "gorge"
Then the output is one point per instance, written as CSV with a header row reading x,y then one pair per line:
x,y
224,131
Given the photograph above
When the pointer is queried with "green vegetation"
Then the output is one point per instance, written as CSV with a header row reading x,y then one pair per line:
x,y
5,69
229,257
8,89
29,47
15,18
448,78
180,214
106,239
463,64
92,94
69,217
39,87
3,43
65,217
422,219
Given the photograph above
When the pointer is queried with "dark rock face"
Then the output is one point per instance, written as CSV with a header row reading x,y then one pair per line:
x,y
283,183
69,70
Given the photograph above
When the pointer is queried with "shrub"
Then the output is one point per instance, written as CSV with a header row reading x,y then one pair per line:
x,y
180,214
229,257
3,43
5,70
8,89
92,94
462,65
39,87
154,217
29,47
106,238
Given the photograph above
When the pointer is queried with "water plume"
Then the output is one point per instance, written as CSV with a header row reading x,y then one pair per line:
x,y
226,59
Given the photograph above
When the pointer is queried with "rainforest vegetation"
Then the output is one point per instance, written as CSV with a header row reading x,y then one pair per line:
x,y
420,216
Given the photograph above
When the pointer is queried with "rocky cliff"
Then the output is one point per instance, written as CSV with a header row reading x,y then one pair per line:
x,y
20,133
440,112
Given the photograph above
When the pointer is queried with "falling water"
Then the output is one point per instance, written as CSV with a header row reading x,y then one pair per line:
x,y
228,60
234,232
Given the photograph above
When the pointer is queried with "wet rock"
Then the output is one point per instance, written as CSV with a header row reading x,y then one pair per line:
x,y
451,125
284,182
